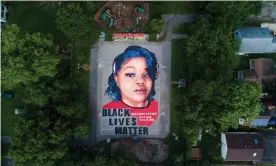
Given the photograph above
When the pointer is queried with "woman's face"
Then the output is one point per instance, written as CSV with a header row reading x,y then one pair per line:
x,y
134,82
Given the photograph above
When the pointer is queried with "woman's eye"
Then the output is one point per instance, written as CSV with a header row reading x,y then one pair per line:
x,y
130,74
146,75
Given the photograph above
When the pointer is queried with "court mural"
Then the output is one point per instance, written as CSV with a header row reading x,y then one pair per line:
x,y
131,89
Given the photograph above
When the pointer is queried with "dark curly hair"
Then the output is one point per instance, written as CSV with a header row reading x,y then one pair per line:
x,y
113,90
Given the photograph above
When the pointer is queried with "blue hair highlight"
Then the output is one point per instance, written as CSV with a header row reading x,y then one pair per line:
x,y
113,90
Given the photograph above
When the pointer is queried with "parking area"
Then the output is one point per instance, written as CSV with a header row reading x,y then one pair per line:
x,y
102,56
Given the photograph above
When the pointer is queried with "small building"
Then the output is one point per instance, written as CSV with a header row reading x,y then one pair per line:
x,y
242,146
260,121
195,154
255,40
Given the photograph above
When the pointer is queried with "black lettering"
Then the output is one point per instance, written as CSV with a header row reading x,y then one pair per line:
x,y
104,112
140,130
110,121
121,121
120,112
124,130
133,121
127,112
129,130
114,112
135,130
146,131
127,121
118,130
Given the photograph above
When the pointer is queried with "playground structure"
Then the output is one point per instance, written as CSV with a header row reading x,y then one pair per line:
x,y
120,16
138,14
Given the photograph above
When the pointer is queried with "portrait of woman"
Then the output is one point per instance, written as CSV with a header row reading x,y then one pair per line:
x,y
132,81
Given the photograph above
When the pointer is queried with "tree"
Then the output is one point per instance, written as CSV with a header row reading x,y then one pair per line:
x,y
217,105
29,58
72,21
82,130
244,102
156,25
50,4
41,140
212,50
36,94
233,13
10,39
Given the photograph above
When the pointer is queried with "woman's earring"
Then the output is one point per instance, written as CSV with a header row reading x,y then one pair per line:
x,y
118,85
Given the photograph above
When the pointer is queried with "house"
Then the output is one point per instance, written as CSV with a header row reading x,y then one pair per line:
x,y
255,40
261,71
241,146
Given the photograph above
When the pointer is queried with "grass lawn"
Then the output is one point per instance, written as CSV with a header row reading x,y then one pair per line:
x,y
210,149
182,28
8,116
31,17
174,7
179,60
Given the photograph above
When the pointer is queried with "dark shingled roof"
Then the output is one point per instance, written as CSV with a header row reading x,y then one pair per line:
x,y
244,146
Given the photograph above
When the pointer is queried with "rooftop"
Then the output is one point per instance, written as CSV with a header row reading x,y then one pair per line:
x,y
254,32
243,140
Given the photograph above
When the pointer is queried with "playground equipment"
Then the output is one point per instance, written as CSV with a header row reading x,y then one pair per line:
x,y
111,23
139,9
106,14
103,16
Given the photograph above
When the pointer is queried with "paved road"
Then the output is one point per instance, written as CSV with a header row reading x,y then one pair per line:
x,y
177,19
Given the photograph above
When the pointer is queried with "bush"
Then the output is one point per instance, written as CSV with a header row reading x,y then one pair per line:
x,y
108,37
152,37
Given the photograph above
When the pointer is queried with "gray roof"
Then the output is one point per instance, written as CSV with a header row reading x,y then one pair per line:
x,y
255,32
256,40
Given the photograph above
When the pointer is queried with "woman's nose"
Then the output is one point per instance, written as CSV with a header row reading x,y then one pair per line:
x,y
140,80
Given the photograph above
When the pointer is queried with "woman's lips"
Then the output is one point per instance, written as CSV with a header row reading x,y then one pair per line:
x,y
140,91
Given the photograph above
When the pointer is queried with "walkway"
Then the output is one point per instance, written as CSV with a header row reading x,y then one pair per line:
x,y
177,19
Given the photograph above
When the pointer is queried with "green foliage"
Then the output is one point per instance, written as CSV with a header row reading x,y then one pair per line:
x,y
50,4
213,50
234,13
244,103
76,110
40,141
152,37
35,94
72,21
216,106
29,59
108,37
82,130
156,25
101,161
10,39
